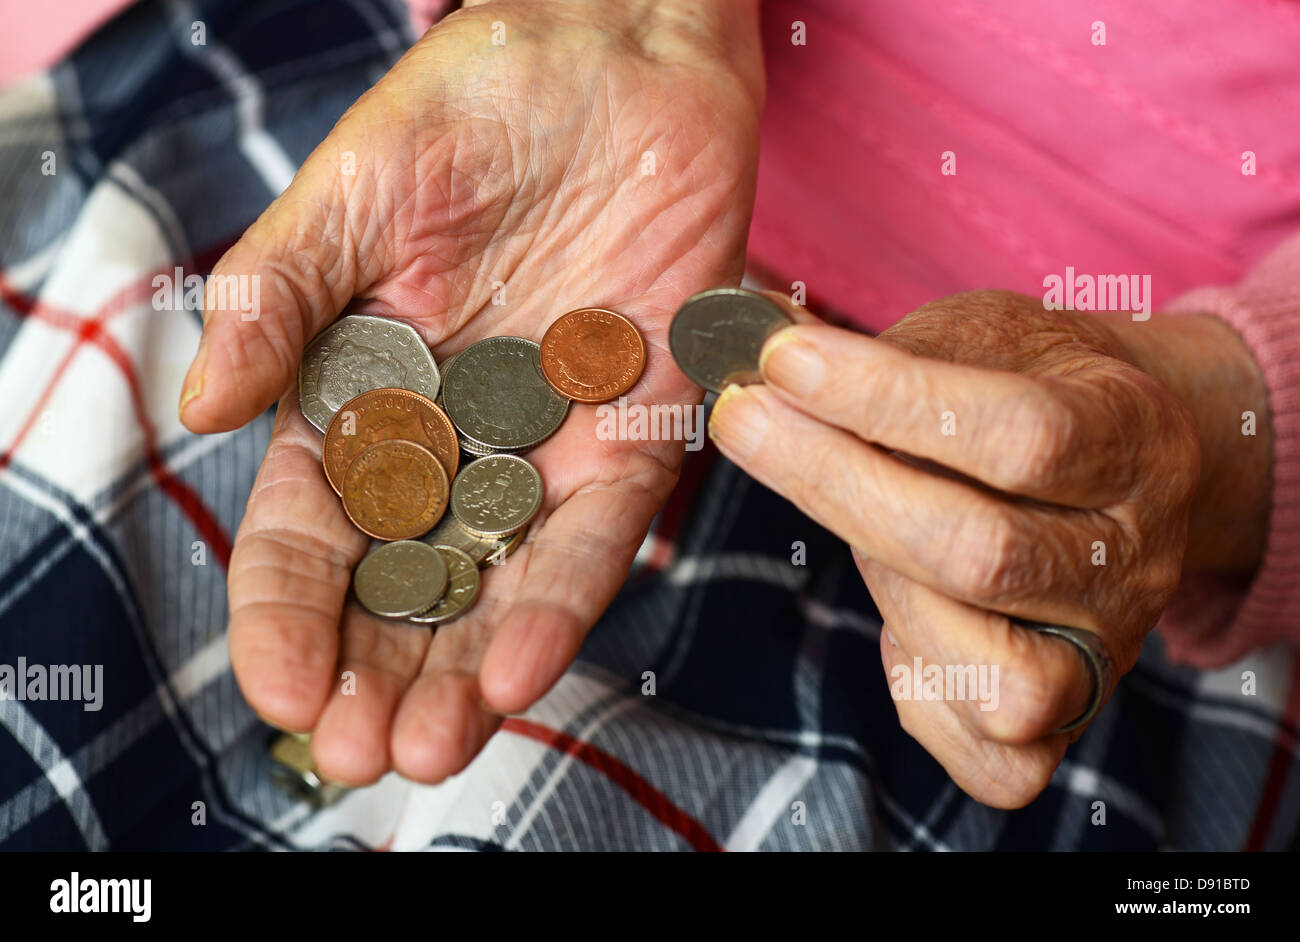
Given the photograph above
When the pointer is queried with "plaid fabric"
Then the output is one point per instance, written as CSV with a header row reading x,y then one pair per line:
x,y
770,725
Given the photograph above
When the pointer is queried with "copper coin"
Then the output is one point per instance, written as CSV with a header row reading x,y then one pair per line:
x,y
395,490
592,355
382,414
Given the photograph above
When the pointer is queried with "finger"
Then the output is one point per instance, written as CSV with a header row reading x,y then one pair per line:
x,y
441,726
1069,440
289,574
288,276
577,562
1007,683
378,660
997,774
442,723
1029,560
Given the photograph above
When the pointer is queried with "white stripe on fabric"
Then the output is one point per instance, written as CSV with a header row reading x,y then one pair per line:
x,y
1213,714
771,803
262,150
205,666
826,617
538,804
134,184
58,771
1271,667
749,567
1090,784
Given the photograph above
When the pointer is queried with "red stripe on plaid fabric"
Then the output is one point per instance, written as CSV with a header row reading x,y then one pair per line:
x,y
1283,757
641,791
7,455
91,330
180,493
85,328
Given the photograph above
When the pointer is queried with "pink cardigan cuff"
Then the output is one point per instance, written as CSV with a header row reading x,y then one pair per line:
x,y
1215,621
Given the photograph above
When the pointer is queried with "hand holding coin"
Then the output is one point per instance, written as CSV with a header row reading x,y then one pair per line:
x,y
462,184
977,455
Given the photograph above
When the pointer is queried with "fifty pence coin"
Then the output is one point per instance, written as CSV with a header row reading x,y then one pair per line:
x,y
382,414
395,490
496,495
497,397
359,353
463,583
592,355
717,336
400,579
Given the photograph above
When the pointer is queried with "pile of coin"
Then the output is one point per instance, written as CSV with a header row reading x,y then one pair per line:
x,y
395,425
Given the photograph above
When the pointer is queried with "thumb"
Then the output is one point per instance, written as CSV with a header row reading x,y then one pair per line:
x,y
271,293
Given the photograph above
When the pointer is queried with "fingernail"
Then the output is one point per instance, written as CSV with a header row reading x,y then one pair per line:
x,y
889,636
194,379
191,393
739,422
792,363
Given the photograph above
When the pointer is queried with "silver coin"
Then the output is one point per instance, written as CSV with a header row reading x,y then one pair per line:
x,y
359,353
717,336
497,397
479,450
400,578
462,589
496,495
442,368
449,532
504,548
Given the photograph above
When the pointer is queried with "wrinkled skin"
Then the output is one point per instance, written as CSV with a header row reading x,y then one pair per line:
x,y
977,455
477,165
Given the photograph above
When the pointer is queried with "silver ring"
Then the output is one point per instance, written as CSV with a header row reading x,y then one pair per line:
x,y
1093,651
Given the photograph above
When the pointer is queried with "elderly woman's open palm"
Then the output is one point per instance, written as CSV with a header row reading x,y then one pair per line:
x,y
520,161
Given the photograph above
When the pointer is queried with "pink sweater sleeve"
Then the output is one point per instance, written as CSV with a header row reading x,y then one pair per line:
x,y
1212,622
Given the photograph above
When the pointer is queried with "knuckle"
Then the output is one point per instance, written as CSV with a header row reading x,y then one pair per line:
x,y
1163,573
1040,442
988,557
1033,688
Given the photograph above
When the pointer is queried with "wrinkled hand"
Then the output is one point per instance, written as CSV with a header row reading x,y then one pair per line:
x,y
477,165
1042,475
